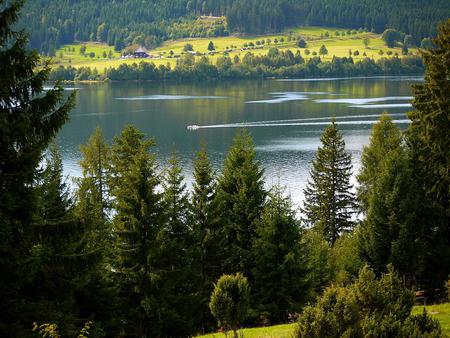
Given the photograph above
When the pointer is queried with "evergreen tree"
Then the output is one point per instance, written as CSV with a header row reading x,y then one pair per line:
x,y
385,137
430,153
174,262
29,119
93,210
94,204
392,232
329,202
207,236
240,197
137,222
323,50
279,275
64,262
211,46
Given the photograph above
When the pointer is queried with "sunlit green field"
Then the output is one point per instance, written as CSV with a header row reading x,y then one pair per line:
x,y
339,42
440,312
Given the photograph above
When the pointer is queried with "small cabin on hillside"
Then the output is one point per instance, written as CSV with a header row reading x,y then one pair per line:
x,y
141,53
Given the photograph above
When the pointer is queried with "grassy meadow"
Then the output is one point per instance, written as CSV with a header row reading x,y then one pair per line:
x,y
441,312
338,42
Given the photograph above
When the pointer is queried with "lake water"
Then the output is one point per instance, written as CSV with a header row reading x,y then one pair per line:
x,y
285,118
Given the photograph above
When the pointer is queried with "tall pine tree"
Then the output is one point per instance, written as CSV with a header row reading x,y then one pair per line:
x,y
240,197
392,233
206,249
64,262
430,153
279,286
329,202
175,265
138,204
93,209
29,120
386,137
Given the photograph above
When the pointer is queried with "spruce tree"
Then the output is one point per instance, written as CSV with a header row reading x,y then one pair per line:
x,y
279,286
134,185
206,248
392,233
430,153
175,239
240,197
329,202
64,263
29,119
93,210
385,137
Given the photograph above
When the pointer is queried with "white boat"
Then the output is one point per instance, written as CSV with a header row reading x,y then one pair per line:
x,y
192,127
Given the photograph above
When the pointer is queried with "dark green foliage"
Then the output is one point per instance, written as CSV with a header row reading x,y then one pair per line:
x,y
93,202
367,308
29,119
430,155
392,232
175,266
345,259
230,301
240,197
320,271
61,259
386,137
279,286
426,43
137,222
329,202
188,47
206,249
323,50
391,37
211,46
301,43
278,64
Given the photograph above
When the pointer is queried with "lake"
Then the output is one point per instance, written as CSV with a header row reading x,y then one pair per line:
x,y
285,118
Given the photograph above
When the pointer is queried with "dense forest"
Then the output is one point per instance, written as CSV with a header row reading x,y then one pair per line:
x,y
130,252
52,23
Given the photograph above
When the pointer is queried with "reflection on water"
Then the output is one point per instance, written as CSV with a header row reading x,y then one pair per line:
x,y
169,97
286,144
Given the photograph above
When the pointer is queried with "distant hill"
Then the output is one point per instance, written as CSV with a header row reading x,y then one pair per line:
x,y
52,23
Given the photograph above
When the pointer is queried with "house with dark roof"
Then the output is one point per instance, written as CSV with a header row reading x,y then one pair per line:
x,y
141,53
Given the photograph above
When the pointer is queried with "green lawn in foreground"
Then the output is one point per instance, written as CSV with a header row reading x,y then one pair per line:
x,y
337,45
278,331
440,312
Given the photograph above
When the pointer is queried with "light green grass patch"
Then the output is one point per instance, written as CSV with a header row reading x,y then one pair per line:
x,y
277,331
441,312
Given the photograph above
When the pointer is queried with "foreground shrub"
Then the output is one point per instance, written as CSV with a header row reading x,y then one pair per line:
x,y
230,301
366,308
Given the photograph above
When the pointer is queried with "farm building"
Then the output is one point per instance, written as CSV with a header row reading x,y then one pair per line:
x,y
141,53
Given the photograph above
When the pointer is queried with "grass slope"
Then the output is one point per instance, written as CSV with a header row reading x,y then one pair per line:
x,y
338,42
440,312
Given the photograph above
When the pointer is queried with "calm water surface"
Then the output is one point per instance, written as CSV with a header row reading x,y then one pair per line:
x,y
285,117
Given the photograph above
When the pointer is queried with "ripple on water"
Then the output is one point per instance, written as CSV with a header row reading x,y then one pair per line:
x,y
169,97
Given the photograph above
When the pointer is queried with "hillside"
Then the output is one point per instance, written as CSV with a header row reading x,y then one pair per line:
x,y
339,42
53,23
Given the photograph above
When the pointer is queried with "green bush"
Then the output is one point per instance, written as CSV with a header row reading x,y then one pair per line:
x,y
230,301
367,308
